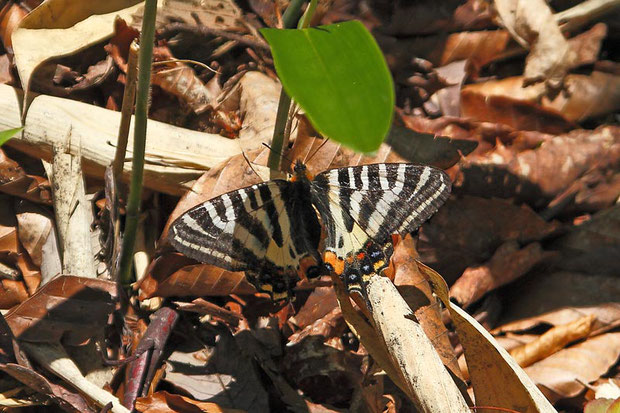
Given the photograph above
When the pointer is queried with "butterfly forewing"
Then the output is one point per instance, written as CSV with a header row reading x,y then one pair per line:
x,y
376,201
260,229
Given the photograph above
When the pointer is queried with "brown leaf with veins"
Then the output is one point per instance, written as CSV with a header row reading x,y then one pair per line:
x,y
466,232
508,263
538,175
56,311
584,97
560,375
176,275
552,341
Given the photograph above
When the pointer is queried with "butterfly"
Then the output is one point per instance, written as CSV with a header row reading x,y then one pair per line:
x,y
274,230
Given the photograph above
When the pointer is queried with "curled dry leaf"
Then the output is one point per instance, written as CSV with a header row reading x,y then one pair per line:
x,y
532,175
56,311
508,263
561,374
181,81
552,341
532,25
496,379
585,97
330,326
321,302
14,181
466,231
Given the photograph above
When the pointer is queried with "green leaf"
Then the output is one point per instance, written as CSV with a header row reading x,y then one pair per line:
x,y
5,135
338,75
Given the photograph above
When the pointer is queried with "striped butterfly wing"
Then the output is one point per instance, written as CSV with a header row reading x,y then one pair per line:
x,y
254,229
361,207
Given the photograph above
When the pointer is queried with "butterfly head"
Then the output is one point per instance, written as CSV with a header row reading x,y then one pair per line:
x,y
300,172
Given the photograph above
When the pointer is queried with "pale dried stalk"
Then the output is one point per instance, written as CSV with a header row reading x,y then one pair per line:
x,y
55,359
73,212
427,378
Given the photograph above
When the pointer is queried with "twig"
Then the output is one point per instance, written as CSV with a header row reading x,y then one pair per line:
x,y
129,98
172,28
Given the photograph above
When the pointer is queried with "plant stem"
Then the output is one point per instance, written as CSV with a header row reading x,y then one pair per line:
x,y
147,37
289,19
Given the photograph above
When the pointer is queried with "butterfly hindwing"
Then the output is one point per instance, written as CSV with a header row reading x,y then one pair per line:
x,y
253,229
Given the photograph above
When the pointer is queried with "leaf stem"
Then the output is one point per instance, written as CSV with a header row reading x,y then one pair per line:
x,y
289,20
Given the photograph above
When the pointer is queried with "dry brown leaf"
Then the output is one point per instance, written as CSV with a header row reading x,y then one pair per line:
x,y
14,181
508,263
330,327
175,275
163,401
593,246
416,291
560,375
204,307
66,398
532,25
606,316
496,378
562,297
321,302
56,311
585,97
324,373
181,81
466,231
532,175
552,341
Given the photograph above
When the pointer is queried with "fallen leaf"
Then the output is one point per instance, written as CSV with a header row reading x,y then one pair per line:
x,y
63,27
175,275
561,374
552,341
163,401
66,398
585,97
56,311
559,298
466,231
15,181
531,175
508,263
228,378
532,25
496,378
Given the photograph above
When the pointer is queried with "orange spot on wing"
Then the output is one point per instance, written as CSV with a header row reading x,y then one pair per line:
x,y
332,259
361,255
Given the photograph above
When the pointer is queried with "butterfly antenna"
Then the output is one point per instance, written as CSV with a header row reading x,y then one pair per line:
x,y
317,150
250,164
279,153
